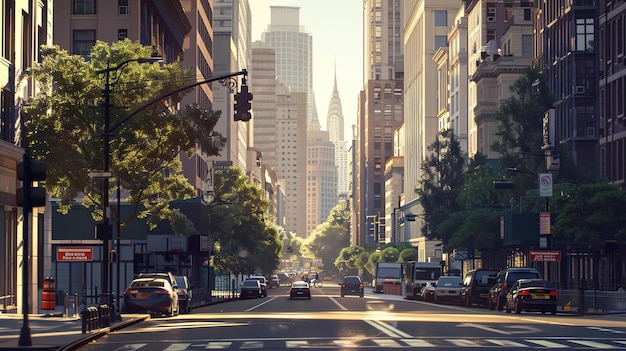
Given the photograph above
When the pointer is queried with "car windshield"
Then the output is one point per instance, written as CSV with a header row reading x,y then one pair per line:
x,y
449,281
181,282
251,283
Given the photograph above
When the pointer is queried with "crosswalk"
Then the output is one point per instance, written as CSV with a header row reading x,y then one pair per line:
x,y
389,343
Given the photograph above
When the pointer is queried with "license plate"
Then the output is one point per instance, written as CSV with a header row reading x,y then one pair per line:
x,y
484,295
352,290
540,296
300,293
144,294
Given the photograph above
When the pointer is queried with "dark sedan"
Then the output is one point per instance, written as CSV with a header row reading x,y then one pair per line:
x,y
151,295
532,295
250,289
300,290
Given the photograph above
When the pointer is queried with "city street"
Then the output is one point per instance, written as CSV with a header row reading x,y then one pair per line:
x,y
328,321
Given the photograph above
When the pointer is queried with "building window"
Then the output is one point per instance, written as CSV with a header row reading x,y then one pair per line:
x,y
83,41
584,34
122,7
441,41
441,18
84,7
122,34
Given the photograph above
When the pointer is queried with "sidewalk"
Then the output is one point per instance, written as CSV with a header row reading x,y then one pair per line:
x,y
52,331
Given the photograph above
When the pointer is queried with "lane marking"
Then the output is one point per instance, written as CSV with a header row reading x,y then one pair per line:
x,y
417,343
387,343
505,343
388,329
337,303
177,347
463,342
606,330
548,344
261,304
593,344
218,345
516,329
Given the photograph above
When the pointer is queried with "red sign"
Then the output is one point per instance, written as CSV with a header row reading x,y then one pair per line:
x,y
75,253
545,255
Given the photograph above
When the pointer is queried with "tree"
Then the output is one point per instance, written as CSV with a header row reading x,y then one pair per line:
x,y
246,241
441,181
65,124
590,213
349,258
389,254
327,240
407,254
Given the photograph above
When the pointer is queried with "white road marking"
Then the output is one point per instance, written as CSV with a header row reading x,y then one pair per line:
x,y
387,343
417,343
607,330
177,347
131,347
252,345
296,344
547,344
593,344
513,329
337,303
463,342
388,329
505,343
261,304
213,345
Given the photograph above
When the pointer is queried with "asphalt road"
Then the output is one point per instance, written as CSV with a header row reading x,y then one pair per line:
x,y
328,321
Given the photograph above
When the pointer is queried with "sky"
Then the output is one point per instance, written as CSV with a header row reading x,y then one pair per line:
x,y
337,31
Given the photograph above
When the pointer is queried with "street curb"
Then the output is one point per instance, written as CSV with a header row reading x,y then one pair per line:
x,y
102,332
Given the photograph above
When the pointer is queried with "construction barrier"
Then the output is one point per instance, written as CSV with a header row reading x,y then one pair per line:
x,y
48,294
392,288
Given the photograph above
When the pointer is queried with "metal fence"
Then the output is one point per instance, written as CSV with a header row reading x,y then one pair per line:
x,y
592,301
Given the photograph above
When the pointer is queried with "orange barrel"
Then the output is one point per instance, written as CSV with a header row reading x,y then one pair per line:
x,y
48,295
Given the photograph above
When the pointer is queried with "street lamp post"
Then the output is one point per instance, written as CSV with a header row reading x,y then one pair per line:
x,y
104,230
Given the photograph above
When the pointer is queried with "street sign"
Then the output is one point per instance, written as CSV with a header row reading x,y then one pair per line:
x,y
99,174
545,184
74,253
544,223
545,255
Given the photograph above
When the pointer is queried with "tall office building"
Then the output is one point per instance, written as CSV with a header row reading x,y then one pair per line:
x,y
291,164
232,44
612,52
572,72
321,178
294,55
379,115
427,26
336,136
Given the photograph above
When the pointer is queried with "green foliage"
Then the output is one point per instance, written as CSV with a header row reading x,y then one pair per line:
x,y
349,258
370,266
441,182
66,120
328,239
590,213
407,254
240,226
389,254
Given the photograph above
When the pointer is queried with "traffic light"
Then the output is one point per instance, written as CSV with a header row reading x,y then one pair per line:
x,y
243,104
28,171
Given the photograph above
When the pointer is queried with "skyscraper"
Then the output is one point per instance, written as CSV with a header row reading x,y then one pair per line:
x,y
294,55
336,136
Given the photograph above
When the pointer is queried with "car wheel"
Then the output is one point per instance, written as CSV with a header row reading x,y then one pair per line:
x,y
342,295
518,308
492,305
501,303
553,312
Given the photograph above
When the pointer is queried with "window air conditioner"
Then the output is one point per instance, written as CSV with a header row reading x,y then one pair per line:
x,y
580,89
491,18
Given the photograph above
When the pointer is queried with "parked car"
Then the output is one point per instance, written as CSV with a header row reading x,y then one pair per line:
x,y
151,295
476,285
163,275
352,285
503,281
250,288
274,281
262,281
448,289
532,295
185,294
428,291
300,289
